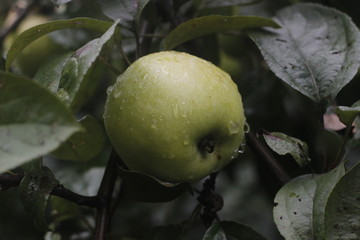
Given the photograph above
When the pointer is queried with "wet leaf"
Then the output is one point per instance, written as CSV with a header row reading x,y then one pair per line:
x,y
33,122
225,3
316,51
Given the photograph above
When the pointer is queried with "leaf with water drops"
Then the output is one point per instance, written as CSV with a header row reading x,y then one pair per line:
x,y
33,122
316,51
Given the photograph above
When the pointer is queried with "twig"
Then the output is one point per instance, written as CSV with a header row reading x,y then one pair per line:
x,y
8,180
259,148
21,12
105,195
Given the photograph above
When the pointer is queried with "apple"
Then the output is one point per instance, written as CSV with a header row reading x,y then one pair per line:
x,y
38,51
175,117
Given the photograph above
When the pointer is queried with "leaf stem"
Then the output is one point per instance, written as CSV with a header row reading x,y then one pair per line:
x,y
341,152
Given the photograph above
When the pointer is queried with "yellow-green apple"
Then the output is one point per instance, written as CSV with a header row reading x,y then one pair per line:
x,y
175,117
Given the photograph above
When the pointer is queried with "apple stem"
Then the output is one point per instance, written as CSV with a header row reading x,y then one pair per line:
x,y
207,145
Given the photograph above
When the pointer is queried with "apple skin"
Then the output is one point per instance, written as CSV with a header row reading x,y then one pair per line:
x,y
38,51
175,117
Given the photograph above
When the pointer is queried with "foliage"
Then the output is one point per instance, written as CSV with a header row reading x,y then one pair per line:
x,y
296,65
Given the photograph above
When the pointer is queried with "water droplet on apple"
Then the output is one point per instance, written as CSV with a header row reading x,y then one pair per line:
x,y
233,127
176,111
109,90
186,142
246,128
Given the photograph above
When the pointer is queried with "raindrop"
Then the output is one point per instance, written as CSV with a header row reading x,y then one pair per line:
x,y
246,128
186,142
233,127
176,111
109,90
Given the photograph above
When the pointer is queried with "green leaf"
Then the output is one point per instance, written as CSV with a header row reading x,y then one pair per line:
x,y
317,50
145,188
30,35
33,122
342,211
49,73
347,115
84,145
77,79
225,3
129,11
293,207
299,205
34,192
283,144
325,185
201,26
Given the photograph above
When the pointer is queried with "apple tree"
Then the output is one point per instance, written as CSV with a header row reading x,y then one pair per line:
x,y
179,119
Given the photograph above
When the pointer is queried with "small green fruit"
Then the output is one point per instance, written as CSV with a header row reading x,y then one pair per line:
x,y
175,117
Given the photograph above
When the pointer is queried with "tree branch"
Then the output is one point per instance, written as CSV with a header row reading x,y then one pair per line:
x,y
105,195
15,16
9,180
260,149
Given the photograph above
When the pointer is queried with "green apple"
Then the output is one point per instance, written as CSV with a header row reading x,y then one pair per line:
x,y
175,117
38,51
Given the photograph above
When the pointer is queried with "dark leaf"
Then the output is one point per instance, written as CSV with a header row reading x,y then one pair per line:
x,y
84,145
34,192
128,11
342,211
317,50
